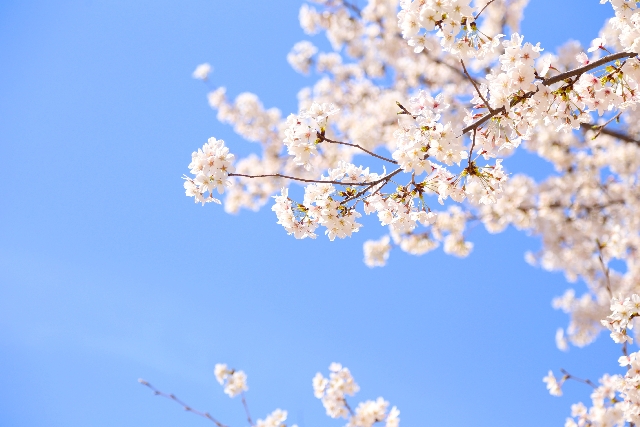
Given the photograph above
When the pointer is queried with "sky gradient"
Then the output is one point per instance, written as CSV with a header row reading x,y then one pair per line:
x,y
109,273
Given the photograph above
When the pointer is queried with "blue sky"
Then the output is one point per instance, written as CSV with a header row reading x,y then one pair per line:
x,y
109,273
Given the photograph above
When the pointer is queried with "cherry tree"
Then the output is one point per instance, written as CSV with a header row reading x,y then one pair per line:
x,y
418,108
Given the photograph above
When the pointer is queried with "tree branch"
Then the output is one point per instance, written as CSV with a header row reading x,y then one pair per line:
x,y
446,64
611,132
316,181
548,82
581,70
352,6
568,376
344,399
179,402
324,138
480,13
473,82
601,127
605,268
373,184
246,409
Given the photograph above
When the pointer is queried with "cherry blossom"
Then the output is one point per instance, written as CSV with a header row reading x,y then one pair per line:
x,y
412,119
202,71
235,382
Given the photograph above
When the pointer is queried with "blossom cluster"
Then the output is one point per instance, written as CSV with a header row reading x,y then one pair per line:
x,y
616,400
553,385
426,139
211,166
235,382
607,407
274,419
332,392
300,56
626,23
629,387
454,21
516,73
621,318
301,135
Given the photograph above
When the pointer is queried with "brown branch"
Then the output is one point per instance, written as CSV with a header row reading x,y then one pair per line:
x,y
294,178
480,13
605,269
246,409
352,6
568,376
573,207
368,185
581,70
601,127
443,62
548,82
179,402
473,144
373,184
437,60
473,82
324,138
610,132
405,111
348,407
500,110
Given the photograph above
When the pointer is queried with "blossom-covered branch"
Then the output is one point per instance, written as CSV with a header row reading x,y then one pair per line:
x,y
469,97
331,391
548,82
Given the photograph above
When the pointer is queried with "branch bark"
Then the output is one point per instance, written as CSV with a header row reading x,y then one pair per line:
x,y
317,181
181,403
614,133
323,138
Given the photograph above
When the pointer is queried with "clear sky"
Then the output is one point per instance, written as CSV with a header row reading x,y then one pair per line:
x,y
109,273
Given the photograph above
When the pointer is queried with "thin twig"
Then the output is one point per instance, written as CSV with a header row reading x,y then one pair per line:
x,y
480,13
446,64
373,184
568,376
347,405
473,144
601,127
367,185
437,60
610,132
605,269
548,82
581,70
316,181
352,6
490,115
598,207
404,110
246,409
181,403
486,103
324,138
